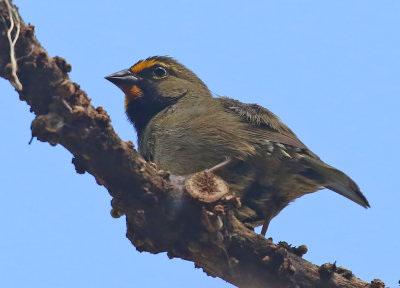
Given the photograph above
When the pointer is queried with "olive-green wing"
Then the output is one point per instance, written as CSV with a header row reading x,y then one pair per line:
x,y
267,125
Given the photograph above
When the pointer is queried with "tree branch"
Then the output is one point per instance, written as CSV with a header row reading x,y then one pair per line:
x,y
161,215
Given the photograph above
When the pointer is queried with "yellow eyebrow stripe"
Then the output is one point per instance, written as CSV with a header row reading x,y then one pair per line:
x,y
139,67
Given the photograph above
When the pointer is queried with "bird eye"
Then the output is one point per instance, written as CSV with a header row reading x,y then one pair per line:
x,y
160,72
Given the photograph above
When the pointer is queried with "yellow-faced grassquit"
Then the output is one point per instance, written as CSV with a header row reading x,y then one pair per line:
x,y
183,129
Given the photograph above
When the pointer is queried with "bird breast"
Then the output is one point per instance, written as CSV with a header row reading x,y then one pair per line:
x,y
185,139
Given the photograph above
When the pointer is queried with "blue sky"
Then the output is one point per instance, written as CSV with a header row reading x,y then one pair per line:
x,y
329,69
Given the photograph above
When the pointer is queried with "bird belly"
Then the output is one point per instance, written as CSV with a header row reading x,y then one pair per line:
x,y
265,182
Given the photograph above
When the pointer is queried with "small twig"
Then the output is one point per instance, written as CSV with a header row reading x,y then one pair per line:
x,y
228,159
25,56
14,81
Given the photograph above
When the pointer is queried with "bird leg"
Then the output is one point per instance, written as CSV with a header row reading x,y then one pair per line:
x,y
228,160
265,227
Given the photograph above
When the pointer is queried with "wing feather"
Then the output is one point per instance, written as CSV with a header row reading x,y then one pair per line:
x,y
266,124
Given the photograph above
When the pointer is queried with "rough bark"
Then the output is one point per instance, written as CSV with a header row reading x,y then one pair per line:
x,y
161,215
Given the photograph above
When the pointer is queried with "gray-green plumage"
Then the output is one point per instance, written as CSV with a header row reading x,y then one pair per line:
x,y
187,130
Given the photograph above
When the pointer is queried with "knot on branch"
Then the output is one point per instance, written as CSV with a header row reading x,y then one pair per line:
x,y
212,191
299,251
326,271
62,64
47,128
377,283
275,258
206,187
117,210
346,273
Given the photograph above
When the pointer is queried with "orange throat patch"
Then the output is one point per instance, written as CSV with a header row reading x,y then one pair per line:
x,y
131,93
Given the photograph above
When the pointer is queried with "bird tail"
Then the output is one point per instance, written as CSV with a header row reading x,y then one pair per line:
x,y
337,181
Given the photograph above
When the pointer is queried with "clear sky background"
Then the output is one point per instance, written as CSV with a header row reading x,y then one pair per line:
x,y
329,69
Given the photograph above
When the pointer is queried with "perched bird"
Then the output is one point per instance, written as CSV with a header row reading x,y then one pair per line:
x,y
183,129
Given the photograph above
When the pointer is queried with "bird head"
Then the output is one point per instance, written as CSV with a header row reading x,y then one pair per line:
x,y
153,84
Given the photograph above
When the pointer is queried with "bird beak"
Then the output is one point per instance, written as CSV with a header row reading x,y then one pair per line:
x,y
124,78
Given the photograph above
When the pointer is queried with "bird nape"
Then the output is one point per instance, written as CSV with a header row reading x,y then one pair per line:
x,y
183,129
